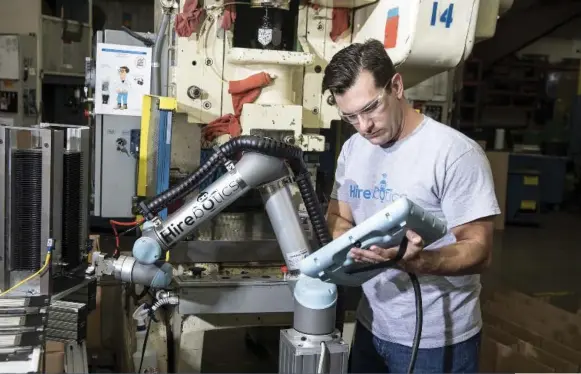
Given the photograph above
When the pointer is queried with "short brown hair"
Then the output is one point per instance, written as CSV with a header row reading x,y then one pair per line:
x,y
346,65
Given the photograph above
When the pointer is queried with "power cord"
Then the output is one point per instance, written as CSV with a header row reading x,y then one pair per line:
x,y
133,225
49,248
419,321
162,298
144,343
321,366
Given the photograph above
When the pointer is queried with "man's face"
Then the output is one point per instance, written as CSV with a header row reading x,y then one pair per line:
x,y
122,73
376,113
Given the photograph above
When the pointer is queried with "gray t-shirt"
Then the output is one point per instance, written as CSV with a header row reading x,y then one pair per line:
x,y
448,175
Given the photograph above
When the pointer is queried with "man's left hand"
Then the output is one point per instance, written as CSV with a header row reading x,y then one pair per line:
x,y
375,254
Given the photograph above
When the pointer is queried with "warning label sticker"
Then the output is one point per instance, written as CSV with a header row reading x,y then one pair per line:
x,y
293,259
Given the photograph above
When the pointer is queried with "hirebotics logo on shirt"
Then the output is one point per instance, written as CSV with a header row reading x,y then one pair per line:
x,y
380,191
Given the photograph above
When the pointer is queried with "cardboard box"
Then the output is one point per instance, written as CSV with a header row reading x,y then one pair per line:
x,y
54,357
524,334
52,346
54,362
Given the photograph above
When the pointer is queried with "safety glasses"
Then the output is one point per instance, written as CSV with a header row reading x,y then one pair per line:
x,y
369,110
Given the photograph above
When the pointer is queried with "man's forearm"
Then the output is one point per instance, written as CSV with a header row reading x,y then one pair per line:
x,y
338,225
461,258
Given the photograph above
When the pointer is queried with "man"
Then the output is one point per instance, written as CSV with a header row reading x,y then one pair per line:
x,y
399,152
123,87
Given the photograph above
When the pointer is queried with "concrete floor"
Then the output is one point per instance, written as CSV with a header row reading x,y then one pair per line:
x,y
542,259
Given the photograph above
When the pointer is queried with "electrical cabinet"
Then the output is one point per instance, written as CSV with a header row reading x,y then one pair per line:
x,y
18,83
116,145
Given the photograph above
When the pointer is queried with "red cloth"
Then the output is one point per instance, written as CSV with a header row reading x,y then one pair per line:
x,y
340,22
229,17
188,20
243,92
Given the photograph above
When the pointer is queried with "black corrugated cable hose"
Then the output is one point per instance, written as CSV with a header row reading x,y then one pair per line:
x,y
249,143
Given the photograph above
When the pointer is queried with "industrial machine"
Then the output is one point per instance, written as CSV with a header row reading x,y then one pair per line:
x,y
424,38
33,161
44,197
117,132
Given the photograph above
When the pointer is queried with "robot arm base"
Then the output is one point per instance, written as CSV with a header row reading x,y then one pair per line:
x,y
315,306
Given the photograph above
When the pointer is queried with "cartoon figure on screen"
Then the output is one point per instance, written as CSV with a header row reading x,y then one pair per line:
x,y
123,87
105,92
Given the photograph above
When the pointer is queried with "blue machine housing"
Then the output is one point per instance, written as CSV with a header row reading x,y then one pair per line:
x,y
385,229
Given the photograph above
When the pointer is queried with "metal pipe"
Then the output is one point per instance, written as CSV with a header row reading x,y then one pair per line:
x,y
157,49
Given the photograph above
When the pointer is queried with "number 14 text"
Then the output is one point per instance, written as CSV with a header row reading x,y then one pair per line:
x,y
445,14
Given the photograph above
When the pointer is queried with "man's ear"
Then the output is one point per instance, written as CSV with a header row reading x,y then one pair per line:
x,y
397,86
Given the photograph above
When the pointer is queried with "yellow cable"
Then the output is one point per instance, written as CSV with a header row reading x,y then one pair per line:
x,y
39,272
167,256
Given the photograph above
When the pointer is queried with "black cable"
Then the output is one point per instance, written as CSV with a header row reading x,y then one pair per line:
x,y
144,345
384,264
129,230
417,293
169,338
131,289
419,321
148,42
143,292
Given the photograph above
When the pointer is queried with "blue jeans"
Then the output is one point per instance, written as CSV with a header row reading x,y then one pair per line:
x,y
122,98
369,354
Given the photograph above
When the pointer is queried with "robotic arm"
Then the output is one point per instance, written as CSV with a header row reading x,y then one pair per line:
x,y
269,174
264,165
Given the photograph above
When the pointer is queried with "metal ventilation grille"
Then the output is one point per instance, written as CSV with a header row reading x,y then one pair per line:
x,y
71,217
26,209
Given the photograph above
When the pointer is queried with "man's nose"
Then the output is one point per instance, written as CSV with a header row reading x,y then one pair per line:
x,y
365,124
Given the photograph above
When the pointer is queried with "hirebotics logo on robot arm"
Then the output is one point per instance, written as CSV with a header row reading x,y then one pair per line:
x,y
207,202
